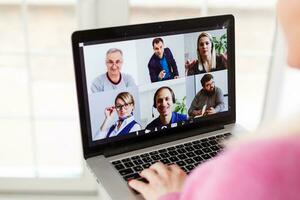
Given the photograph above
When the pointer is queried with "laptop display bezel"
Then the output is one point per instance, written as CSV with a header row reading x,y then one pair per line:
x,y
139,31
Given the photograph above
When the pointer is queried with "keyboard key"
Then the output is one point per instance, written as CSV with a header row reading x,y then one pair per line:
x,y
165,161
214,148
205,144
137,168
128,164
204,140
213,142
138,162
182,156
125,160
131,176
147,159
162,150
185,169
196,142
189,148
213,154
180,163
173,153
189,161
147,165
206,156
116,162
119,166
152,162
179,146
173,159
190,167
144,155
212,138
164,155
171,148
190,154
153,153
155,157
187,144
126,171
196,146
199,152
135,157
181,151
198,159
206,150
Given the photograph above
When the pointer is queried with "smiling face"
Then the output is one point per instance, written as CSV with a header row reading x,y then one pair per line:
x,y
114,63
288,16
204,46
158,49
164,102
124,109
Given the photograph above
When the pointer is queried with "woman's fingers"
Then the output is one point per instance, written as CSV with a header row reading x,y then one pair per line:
x,y
161,169
151,175
139,186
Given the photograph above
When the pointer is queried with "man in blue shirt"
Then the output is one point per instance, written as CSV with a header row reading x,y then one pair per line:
x,y
162,65
164,99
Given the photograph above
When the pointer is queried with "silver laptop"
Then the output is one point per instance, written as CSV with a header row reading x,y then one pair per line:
x,y
153,92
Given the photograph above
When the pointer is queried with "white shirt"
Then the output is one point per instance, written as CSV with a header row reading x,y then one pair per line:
x,y
102,134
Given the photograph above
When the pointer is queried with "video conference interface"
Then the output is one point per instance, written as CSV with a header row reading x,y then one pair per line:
x,y
142,86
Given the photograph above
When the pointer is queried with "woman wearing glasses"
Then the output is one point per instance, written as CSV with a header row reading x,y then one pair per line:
x,y
124,106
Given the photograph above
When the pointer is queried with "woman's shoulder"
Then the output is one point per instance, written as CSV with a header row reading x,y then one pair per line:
x,y
193,69
273,165
221,61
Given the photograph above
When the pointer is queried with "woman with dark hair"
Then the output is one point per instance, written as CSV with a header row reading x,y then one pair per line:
x,y
207,59
124,106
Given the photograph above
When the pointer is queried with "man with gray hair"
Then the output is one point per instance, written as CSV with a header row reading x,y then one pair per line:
x,y
113,78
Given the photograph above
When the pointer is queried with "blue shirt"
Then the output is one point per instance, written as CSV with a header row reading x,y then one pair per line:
x,y
176,117
164,64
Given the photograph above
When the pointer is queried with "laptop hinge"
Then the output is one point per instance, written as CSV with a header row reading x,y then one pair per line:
x,y
139,144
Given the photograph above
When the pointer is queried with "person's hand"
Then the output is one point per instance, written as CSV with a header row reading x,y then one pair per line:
x,y
109,111
176,77
162,180
189,64
211,111
162,74
197,112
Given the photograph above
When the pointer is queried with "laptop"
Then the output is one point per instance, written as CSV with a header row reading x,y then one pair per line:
x,y
162,91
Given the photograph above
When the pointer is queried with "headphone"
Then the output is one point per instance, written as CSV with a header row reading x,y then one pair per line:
x,y
159,89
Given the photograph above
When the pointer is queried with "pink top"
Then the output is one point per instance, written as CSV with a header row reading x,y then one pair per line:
x,y
266,169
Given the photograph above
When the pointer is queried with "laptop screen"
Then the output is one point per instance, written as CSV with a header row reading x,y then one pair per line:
x,y
150,83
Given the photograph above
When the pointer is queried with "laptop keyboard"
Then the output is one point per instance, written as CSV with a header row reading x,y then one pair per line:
x,y
187,156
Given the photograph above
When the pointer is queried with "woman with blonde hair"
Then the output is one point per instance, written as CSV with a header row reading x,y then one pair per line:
x,y
207,59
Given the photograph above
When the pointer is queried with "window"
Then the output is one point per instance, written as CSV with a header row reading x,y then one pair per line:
x,y
40,147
